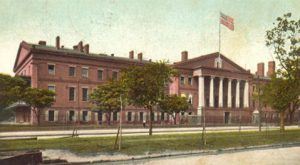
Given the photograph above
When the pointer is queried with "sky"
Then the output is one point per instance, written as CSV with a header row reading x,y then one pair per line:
x,y
160,29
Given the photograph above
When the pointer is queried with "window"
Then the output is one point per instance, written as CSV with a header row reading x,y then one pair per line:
x,y
50,115
72,94
218,63
85,72
190,99
162,116
190,81
84,94
115,116
84,115
51,88
71,116
182,80
129,116
141,116
72,71
114,75
190,113
51,69
100,74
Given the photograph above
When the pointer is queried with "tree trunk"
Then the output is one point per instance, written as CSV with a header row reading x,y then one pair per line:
x,y
38,117
282,121
150,121
291,119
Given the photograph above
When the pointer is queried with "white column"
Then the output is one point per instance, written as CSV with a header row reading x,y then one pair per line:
x,y
221,92
211,92
246,95
200,94
229,94
237,96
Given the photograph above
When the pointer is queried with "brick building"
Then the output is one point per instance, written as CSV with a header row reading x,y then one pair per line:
x,y
221,87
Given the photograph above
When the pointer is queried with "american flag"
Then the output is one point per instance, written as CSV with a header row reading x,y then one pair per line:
x,y
227,21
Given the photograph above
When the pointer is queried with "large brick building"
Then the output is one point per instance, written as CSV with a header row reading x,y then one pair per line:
x,y
221,87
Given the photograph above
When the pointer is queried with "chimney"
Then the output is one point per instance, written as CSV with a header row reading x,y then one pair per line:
x,y
131,54
86,48
80,46
140,56
57,42
42,42
260,69
184,55
271,68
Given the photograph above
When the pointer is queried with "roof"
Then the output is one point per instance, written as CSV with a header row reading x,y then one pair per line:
x,y
17,105
186,64
36,48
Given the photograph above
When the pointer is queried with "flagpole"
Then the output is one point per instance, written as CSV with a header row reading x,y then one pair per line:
x,y
219,60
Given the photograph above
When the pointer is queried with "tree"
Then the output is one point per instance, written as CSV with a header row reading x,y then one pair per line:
x,y
10,89
38,99
276,93
173,105
146,85
284,39
106,97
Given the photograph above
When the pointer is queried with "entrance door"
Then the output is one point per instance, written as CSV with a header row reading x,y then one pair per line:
x,y
227,117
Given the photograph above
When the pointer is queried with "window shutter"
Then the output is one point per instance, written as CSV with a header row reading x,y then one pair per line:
x,y
103,116
67,115
46,115
89,115
80,116
166,116
75,115
118,116
133,116
145,116
96,116
55,115
126,116
155,116
111,116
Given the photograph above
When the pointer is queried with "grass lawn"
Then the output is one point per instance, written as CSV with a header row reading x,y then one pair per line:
x,y
139,145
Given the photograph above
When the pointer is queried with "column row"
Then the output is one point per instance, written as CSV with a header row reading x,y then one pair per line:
x,y
211,103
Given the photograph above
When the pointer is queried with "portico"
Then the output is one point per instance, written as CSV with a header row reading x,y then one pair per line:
x,y
221,90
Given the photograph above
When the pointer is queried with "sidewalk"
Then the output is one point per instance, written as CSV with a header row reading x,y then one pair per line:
x,y
125,132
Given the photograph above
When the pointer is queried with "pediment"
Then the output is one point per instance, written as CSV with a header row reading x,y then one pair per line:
x,y
210,61
21,55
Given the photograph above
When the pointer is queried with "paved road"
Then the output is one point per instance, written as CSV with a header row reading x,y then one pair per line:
x,y
277,156
126,132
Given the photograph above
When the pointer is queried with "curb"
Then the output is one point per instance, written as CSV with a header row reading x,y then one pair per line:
x,y
191,153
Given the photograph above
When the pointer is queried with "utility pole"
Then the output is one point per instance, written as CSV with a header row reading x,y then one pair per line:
x,y
259,107
120,140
